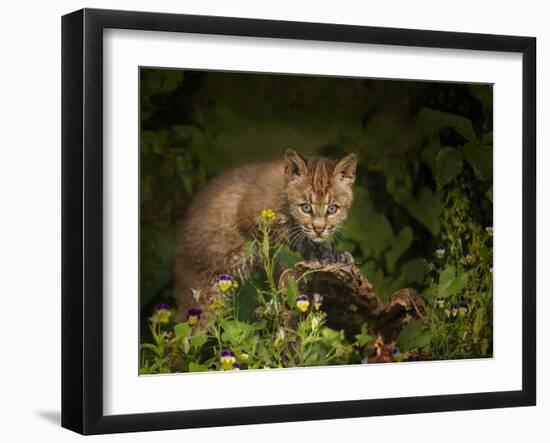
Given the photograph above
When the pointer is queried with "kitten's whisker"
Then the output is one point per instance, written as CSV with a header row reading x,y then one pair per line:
x,y
339,228
293,229
343,228
295,237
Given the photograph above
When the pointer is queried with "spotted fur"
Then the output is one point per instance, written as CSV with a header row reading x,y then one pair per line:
x,y
213,235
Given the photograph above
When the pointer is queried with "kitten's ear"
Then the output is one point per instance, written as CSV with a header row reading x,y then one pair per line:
x,y
345,169
295,166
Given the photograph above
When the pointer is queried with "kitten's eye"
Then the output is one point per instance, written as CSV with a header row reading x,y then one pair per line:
x,y
332,209
306,207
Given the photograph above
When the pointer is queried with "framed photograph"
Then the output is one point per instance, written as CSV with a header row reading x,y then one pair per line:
x,y
269,221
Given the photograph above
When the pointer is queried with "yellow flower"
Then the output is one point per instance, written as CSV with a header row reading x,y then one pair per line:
x,y
235,284
454,310
268,214
302,303
227,359
317,301
244,356
162,314
216,305
193,316
225,282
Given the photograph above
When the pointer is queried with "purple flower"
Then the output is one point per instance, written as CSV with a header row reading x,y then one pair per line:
x,y
226,353
162,307
414,358
395,351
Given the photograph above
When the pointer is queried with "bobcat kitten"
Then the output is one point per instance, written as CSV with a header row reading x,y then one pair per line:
x,y
310,196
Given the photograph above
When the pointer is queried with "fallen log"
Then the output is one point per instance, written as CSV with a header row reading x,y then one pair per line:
x,y
349,302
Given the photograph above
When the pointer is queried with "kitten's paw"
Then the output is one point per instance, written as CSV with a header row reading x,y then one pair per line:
x,y
346,258
332,257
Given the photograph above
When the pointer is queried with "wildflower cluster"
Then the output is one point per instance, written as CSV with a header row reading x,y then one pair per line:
x,y
268,215
224,334
460,294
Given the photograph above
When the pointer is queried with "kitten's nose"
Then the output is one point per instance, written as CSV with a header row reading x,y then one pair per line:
x,y
319,229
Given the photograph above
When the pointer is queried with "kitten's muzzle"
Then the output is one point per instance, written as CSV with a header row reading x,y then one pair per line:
x,y
319,229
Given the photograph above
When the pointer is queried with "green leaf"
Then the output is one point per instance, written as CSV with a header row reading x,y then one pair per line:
x,y
400,244
198,340
291,292
247,301
425,208
363,339
481,160
432,121
236,332
195,367
413,271
457,285
445,279
287,258
449,284
420,341
258,326
448,165
150,347
429,154
409,338
182,330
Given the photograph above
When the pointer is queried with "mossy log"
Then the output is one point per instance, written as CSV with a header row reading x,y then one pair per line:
x,y
350,301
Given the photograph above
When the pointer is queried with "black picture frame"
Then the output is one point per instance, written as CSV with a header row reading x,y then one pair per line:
x,y
82,220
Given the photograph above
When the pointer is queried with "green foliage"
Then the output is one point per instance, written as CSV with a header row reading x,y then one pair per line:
x,y
481,159
432,121
291,292
412,337
363,339
448,165
223,340
449,284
